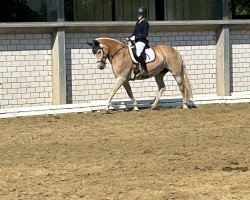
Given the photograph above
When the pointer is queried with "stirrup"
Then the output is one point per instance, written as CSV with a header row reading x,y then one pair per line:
x,y
144,74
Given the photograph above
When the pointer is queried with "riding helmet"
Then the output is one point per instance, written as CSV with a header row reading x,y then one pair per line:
x,y
142,11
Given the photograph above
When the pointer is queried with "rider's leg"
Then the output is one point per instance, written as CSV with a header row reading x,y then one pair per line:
x,y
139,49
144,66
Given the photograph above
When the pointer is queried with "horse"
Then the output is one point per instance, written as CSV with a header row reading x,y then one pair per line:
x,y
167,60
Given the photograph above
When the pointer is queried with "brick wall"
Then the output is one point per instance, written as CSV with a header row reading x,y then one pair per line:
x,y
240,60
85,82
26,77
25,70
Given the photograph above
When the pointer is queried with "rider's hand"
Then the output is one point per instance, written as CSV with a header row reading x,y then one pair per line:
x,y
132,38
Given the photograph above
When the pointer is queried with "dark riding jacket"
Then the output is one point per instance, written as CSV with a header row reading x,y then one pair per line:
x,y
141,31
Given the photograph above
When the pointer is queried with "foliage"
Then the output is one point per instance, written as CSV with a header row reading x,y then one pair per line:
x,y
242,7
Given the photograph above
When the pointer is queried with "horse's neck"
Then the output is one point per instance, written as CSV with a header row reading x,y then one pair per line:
x,y
113,46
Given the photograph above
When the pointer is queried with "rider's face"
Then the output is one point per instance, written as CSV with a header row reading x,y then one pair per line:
x,y
140,16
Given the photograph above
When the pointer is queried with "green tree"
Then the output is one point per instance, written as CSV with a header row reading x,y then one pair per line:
x,y
242,7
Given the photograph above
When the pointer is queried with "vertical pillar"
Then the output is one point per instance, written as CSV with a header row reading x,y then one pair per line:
x,y
58,67
222,62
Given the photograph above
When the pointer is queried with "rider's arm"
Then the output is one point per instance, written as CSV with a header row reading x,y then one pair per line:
x,y
132,37
144,34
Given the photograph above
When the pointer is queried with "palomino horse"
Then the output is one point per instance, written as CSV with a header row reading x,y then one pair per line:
x,y
167,59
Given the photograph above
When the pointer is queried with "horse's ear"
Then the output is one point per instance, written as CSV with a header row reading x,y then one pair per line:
x,y
90,43
96,42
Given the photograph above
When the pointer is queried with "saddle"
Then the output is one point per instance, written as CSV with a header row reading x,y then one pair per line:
x,y
148,53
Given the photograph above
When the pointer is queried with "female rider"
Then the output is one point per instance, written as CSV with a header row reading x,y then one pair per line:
x,y
139,36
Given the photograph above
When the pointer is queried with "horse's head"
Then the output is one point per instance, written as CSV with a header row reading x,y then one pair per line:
x,y
99,51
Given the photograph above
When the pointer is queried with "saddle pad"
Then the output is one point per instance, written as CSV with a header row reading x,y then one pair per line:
x,y
150,54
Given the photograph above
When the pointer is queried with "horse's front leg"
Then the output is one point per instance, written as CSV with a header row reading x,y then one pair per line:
x,y
130,94
118,83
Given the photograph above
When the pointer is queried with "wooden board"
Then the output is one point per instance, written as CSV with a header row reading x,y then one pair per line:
x,y
151,9
119,10
178,9
194,5
89,10
169,11
186,9
107,10
127,10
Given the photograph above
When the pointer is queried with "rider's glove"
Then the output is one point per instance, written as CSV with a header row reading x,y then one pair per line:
x,y
127,39
132,38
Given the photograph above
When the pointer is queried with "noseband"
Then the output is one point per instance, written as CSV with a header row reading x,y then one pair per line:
x,y
104,58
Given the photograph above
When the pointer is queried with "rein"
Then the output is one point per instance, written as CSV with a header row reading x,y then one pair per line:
x,y
112,56
105,56
103,60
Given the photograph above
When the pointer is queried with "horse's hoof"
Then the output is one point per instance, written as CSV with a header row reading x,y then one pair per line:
x,y
153,107
136,109
106,112
185,106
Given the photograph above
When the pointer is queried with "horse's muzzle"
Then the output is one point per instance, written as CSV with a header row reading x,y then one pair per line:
x,y
101,66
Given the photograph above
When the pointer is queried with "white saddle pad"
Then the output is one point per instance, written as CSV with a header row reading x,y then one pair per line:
x,y
150,54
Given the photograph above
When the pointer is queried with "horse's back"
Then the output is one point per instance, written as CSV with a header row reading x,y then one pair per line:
x,y
170,56
168,53
165,48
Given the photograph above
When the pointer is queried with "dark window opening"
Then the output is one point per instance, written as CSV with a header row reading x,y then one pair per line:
x,y
120,10
159,10
17,11
68,10
28,10
113,10
240,9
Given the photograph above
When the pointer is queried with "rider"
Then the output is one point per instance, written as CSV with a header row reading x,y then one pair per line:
x,y
139,36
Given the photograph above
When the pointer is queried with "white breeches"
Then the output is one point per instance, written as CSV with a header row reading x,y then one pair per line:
x,y
139,48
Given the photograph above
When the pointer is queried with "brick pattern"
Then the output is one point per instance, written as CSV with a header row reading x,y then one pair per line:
x,y
86,83
240,61
25,67
25,70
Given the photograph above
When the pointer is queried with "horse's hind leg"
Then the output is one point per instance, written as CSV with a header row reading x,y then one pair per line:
x,y
130,94
180,81
161,88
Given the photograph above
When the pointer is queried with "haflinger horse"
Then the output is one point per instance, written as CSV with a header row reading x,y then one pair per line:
x,y
167,59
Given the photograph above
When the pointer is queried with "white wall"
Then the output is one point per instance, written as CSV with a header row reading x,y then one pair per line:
x,y
25,70
86,82
26,77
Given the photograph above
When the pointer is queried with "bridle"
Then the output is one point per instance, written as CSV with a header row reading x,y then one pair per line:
x,y
105,56
112,56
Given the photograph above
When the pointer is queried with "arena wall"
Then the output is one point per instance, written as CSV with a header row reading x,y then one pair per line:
x,y
240,60
26,63
25,70
85,82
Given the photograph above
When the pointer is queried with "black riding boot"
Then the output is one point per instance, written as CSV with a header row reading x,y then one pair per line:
x,y
144,66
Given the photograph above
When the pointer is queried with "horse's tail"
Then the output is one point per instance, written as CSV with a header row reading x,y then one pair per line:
x,y
187,85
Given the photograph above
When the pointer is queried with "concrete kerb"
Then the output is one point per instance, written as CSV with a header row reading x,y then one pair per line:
x,y
95,106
